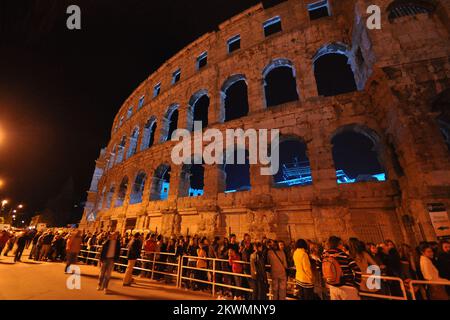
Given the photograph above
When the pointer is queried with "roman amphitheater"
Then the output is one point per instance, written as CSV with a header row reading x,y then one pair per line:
x,y
363,114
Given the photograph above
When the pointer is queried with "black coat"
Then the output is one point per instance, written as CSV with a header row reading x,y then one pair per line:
x,y
134,249
105,249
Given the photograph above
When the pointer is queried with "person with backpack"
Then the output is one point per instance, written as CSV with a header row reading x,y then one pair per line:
x,y
341,273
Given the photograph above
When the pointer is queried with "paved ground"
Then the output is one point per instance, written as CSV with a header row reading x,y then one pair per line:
x,y
31,280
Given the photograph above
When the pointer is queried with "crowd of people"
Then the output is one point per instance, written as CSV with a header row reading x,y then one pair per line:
x,y
334,269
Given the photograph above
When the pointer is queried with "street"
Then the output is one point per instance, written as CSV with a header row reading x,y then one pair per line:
x,y
32,280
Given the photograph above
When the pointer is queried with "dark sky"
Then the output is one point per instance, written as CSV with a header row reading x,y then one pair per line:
x,y
60,89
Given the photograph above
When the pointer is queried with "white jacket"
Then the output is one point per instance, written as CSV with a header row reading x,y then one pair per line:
x,y
429,271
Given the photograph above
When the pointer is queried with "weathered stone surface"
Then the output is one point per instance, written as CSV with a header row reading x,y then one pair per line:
x,y
404,69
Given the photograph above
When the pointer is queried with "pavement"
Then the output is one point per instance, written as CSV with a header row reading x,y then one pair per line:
x,y
32,280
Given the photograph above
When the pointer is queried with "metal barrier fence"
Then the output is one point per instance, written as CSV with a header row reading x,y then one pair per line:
x,y
423,282
184,269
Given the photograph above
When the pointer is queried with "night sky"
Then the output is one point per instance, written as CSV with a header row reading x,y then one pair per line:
x,y
60,89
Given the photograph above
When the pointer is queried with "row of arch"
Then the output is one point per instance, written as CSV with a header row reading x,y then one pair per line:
x,y
332,69
356,154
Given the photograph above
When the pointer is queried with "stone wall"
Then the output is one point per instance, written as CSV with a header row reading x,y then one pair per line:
x,y
405,66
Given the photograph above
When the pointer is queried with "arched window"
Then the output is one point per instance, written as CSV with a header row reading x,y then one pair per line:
x,y
122,192
110,196
333,72
148,138
101,199
401,8
170,122
441,107
294,168
132,148
198,109
192,180
237,175
161,183
279,83
234,98
138,188
121,150
356,155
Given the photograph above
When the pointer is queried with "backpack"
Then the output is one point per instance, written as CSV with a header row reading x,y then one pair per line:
x,y
331,270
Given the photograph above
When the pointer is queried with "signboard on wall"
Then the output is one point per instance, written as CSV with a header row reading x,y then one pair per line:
x,y
439,220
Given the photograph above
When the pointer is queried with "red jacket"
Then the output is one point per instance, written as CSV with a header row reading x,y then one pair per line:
x,y
235,266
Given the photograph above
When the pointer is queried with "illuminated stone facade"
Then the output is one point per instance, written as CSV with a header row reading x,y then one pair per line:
x,y
401,73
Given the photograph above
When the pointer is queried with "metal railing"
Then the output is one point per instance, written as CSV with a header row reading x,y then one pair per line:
x,y
184,270
424,282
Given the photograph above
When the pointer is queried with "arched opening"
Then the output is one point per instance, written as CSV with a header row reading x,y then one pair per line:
x,y
192,180
401,8
237,175
101,199
112,157
132,148
110,196
138,188
280,85
333,71
441,107
121,149
122,192
294,168
356,155
170,122
234,98
198,109
148,138
161,183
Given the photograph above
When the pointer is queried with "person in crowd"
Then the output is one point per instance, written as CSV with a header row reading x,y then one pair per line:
x,y
408,264
365,262
134,253
236,267
341,272
431,273
73,247
34,245
149,249
315,253
259,282
202,263
304,274
109,254
443,260
4,238
10,244
46,245
233,243
278,269
21,243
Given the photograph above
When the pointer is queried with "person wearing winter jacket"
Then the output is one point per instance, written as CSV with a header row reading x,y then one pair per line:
x,y
303,274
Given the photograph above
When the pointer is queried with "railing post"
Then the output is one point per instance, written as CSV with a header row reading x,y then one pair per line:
x,y
214,278
153,264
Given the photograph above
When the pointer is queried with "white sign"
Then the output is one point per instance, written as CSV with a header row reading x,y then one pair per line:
x,y
441,223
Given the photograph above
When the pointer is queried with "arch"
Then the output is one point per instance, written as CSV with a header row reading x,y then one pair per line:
x,y
356,155
192,179
280,85
138,187
121,149
294,165
110,195
160,183
122,192
112,157
102,199
234,98
333,71
170,122
236,175
198,109
148,135
401,8
132,148
441,107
